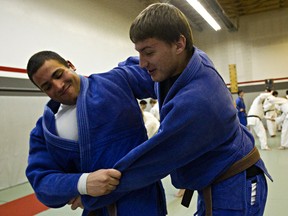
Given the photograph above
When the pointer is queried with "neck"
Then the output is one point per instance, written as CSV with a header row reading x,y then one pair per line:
x,y
183,62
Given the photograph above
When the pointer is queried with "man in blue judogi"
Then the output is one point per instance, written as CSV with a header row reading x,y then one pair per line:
x,y
87,126
200,141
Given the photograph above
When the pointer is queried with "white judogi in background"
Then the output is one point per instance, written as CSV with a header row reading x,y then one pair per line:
x,y
270,115
151,123
254,119
155,109
284,120
256,114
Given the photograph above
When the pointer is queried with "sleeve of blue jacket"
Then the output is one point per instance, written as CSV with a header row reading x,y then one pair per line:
x,y
138,80
42,172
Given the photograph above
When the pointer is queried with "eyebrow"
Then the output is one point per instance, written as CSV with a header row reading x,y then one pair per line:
x,y
141,50
150,46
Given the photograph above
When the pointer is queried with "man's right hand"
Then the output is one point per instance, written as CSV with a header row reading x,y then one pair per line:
x,y
102,182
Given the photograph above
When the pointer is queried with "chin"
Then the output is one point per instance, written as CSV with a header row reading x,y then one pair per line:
x,y
157,79
154,79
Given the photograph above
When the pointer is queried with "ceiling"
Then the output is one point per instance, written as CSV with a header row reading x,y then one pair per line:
x,y
237,8
226,12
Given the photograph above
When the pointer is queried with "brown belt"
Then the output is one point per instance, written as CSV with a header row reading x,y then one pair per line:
x,y
239,166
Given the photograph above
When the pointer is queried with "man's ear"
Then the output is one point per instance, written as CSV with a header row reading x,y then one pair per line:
x,y
71,65
181,44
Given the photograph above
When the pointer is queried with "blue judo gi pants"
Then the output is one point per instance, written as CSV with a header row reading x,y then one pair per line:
x,y
257,209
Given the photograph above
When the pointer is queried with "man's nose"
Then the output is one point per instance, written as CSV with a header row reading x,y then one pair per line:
x,y
58,84
142,62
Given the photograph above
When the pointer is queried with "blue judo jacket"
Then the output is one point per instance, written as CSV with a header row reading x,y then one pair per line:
x,y
110,124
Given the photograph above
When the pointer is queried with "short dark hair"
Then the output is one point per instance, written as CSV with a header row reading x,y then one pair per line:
x,y
38,59
164,22
152,101
143,102
268,89
275,93
240,91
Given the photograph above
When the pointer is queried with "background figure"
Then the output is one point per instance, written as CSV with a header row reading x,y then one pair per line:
x,y
151,122
284,120
240,105
254,119
270,114
278,113
143,104
180,193
256,114
154,108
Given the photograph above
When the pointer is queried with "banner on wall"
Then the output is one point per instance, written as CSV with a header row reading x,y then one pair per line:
x,y
233,78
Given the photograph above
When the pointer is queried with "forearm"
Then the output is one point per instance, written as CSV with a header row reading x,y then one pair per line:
x,y
55,190
51,184
137,78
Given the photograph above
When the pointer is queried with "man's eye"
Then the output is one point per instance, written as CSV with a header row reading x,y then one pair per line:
x,y
58,74
148,52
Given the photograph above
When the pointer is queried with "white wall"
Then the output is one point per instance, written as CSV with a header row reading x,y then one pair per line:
x,y
259,48
18,115
93,34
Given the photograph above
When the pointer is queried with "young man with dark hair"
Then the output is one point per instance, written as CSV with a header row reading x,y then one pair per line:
x,y
87,126
200,141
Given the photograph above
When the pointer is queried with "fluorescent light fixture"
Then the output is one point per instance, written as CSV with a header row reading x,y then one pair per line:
x,y
204,13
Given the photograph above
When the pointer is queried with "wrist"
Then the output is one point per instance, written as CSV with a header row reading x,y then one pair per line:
x,y
82,184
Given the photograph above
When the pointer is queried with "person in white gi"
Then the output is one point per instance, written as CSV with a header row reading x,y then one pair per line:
x,y
256,114
143,104
154,108
151,123
270,114
284,120
254,119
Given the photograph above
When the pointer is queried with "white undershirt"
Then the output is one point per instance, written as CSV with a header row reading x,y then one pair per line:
x,y
66,127
66,122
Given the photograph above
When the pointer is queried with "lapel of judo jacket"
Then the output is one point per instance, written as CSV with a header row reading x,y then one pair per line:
x,y
84,144
83,125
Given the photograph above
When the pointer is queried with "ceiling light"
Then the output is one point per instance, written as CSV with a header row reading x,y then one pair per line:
x,y
204,13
